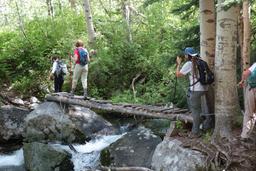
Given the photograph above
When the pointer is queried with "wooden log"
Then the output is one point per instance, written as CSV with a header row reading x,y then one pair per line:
x,y
115,108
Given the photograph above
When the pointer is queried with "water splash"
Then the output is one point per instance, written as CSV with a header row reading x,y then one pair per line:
x,y
14,159
86,157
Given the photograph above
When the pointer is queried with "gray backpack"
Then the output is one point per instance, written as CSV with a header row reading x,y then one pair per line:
x,y
61,68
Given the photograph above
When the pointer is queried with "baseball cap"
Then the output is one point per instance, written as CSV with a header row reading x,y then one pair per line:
x,y
190,51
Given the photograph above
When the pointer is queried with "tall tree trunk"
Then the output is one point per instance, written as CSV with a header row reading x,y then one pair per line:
x,y
72,4
226,97
207,31
49,8
207,46
246,39
60,5
127,17
110,4
20,21
89,22
246,35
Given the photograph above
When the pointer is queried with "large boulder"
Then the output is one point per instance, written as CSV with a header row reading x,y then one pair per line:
x,y
12,123
48,122
87,120
51,121
13,168
133,149
43,157
170,156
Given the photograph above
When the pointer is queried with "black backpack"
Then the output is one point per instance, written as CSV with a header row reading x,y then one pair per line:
x,y
206,76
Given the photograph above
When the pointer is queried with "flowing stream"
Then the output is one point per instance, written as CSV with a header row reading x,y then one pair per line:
x,y
86,157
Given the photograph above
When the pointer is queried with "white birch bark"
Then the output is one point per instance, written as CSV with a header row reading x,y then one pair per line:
x,y
72,4
226,97
246,35
49,8
89,22
207,31
127,15
207,46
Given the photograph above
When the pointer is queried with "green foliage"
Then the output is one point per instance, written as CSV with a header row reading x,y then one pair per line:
x,y
25,59
141,71
187,9
207,136
178,124
150,2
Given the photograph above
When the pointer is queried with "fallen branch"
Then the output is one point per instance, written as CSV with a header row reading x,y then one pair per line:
x,y
133,85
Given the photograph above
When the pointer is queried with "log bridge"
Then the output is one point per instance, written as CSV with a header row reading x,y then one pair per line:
x,y
149,111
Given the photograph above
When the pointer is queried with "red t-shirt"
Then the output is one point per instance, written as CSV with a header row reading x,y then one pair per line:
x,y
77,53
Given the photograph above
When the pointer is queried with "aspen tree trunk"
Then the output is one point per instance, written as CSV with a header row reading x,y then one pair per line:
x,y
60,5
110,4
226,97
20,21
127,17
49,8
246,39
207,48
89,22
207,31
72,4
246,35
240,36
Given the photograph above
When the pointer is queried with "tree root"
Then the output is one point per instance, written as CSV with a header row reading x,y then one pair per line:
x,y
224,156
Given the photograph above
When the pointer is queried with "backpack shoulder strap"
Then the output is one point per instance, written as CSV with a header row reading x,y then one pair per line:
x,y
190,85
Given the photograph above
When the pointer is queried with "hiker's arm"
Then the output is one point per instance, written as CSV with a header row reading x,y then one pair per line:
x,y
54,67
88,58
178,73
75,57
245,75
178,66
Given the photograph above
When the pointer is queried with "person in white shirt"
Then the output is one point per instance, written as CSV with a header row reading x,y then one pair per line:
x,y
250,103
196,89
58,78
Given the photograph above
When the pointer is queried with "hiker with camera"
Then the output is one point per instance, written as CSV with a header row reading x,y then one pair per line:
x,y
81,59
59,69
249,82
200,77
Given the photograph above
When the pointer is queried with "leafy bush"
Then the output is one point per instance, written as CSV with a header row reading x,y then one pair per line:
x,y
146,63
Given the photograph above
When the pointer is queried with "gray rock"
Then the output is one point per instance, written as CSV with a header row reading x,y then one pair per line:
x,y
69,124
43,157
12,123
87,120
48,122
170,156
133,149
13,168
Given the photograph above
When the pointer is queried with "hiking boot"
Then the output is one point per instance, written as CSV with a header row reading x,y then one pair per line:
x,y
85,94
72,92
